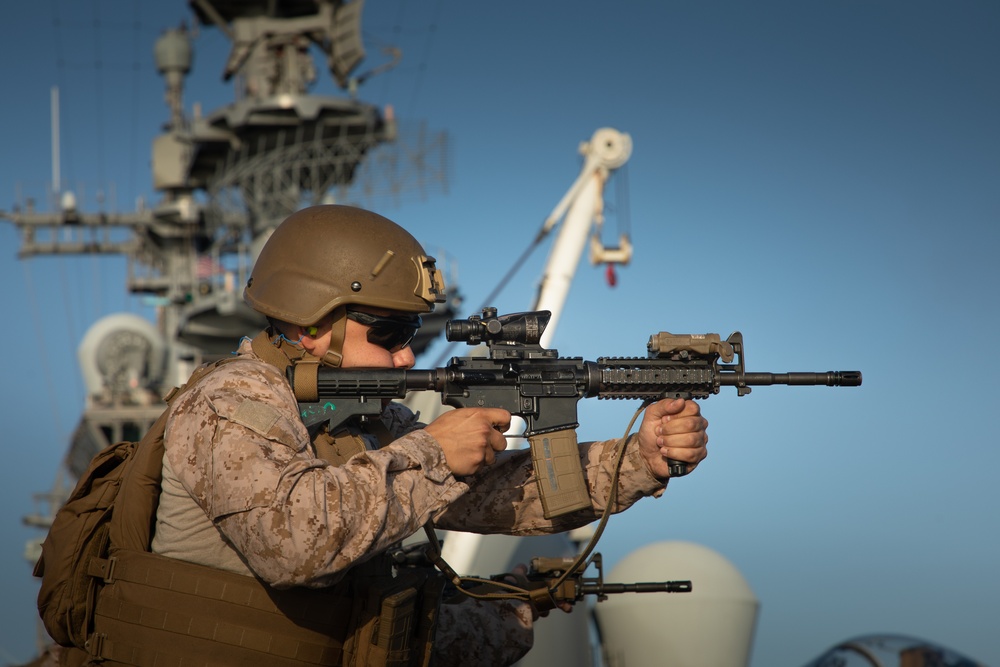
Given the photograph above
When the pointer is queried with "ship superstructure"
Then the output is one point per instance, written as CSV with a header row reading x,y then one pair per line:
x,y
224,179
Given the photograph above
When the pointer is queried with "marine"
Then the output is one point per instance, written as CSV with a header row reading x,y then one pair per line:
x,y
273,542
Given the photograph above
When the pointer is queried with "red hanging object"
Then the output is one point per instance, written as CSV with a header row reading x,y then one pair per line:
x,y
610,275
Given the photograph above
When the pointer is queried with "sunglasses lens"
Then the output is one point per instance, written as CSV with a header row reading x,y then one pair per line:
x,y
391,336
392,332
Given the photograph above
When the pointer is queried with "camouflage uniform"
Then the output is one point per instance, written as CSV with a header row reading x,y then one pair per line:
x,y
244,491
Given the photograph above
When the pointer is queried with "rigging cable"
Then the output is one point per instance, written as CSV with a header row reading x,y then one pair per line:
x,y
623,218
419,152
99,158
131,304
39,330
622,202
136,71
99,99
71,331
422,64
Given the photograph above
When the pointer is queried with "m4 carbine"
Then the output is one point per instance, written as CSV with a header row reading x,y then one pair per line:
x,y
552,581
542,388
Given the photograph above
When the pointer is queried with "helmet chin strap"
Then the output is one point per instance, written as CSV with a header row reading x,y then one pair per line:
x,y
277,350
338,332
295,353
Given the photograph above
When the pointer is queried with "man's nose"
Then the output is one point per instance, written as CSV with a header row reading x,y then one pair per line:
x,y
403,358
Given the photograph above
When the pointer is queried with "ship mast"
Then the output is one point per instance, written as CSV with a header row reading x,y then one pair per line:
x,y
224,180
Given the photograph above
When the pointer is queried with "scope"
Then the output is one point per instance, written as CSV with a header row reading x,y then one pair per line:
x,y
524,328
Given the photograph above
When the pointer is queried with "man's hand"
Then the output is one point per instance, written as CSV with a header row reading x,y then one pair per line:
x,y
470,437
673,429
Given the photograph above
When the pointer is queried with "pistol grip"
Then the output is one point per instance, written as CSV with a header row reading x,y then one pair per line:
x,y
561,484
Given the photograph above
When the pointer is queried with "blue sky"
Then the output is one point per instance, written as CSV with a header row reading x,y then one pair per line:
x,y
823,176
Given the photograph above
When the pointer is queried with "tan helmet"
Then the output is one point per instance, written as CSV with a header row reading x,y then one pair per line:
x,y
325,257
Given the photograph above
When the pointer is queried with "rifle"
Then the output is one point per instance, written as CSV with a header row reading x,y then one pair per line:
x,y
551,581
548,582
537,385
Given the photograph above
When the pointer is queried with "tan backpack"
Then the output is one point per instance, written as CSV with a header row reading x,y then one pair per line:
x,y
124,478
107,524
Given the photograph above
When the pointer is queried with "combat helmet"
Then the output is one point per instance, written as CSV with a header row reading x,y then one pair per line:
x,y
327,257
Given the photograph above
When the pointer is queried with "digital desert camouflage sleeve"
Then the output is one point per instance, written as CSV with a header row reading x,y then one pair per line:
x,y
507,493
477,632
237,445
504,497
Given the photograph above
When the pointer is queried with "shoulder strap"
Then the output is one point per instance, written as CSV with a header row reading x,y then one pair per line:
x,y
135,507
134,517
273,351
263,348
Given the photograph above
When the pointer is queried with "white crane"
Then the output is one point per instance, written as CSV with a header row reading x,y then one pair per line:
x,y
581,212
582,206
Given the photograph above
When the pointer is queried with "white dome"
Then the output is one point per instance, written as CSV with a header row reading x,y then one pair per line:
x,y
121,355
712,625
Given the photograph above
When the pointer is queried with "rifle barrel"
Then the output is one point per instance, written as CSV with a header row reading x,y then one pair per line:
x,y
640,587
829,379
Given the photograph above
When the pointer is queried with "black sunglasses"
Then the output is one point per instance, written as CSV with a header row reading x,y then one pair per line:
x,y
393,332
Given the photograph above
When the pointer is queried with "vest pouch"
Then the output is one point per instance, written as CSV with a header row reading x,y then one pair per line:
x,y
395,620
161,612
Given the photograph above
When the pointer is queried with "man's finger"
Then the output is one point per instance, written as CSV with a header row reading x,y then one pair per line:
x,y
667,407
499,418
